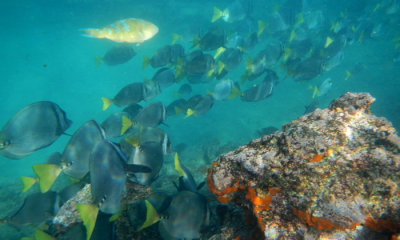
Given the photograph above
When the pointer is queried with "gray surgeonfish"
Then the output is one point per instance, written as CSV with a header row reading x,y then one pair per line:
x,y
148,154
116,124
151,89
184,90
213,39
143,135
37,208
176,107
165,77
34,127
130,94
107,176
198,105
76,154
133,110
117,55
151,116
159,58
231,58
258,92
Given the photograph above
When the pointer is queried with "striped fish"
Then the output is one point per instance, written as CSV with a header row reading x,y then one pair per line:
x,y
130,30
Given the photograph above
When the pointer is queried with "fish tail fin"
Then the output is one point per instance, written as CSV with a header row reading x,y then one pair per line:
x,y
175,38
126,124
292,35
146,62
220,67
189,112
106,103
177,110
217,14
40,235
261,27
88,214
210,73
328,42
178,166
299,20
315,92
47,174
286,53
151,216
98,60
348,75
219,51
27,182
235,93
92,32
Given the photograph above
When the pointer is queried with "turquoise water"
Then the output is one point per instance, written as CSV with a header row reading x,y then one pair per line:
x,y
44,57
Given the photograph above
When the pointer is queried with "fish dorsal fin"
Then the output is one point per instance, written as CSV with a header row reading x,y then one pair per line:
x,y
106,103
126,124
178,166
40,235
28,182
217,14
47,174
151,216
189,113
88,213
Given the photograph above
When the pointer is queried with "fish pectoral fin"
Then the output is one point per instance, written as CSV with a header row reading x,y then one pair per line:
x,y
88,214
28,182
47,174
135,168
151,216
106,103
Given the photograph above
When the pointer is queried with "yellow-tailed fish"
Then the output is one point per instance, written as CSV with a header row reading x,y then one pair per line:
x,y
328,42
130,30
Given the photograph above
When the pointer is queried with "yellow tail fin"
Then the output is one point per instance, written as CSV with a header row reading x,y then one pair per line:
x,y
178,166
261,27
234,94
47,174
126,124
220,66
97,60
175,38
189,113
316,91
328,42
40,235
146,62
28,182
217,14
219,51
292,35
106,102
88,213
348,75
151,216
299,20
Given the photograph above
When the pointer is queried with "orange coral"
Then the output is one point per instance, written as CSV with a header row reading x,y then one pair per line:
x,y
224,195
317,158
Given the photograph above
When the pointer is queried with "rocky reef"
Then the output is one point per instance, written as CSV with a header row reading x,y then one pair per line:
x,y
330,174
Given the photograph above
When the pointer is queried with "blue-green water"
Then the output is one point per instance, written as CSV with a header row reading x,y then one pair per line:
x,y
44,57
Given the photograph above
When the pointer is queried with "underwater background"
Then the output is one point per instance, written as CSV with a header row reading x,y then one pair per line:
x,y
45,57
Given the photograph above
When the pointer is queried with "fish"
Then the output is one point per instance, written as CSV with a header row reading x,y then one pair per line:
x,y
34,127
234,40
258,92
143,135
148,154
176,107
130,30
184,90
177,53
164,77
333,62
37,208
116,124
225,89
230,59
198,63
235,12
323,88
186,180
69,191
199,105
159,59
107,176
276,24
151,116
213,39
314,19
289,11
187,214
151,89
308,68
130,94
133,110
116,55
